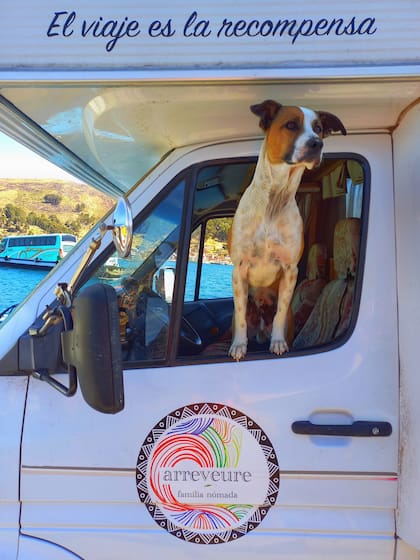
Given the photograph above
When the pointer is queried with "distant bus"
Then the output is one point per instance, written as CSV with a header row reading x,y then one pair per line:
x,y
40,251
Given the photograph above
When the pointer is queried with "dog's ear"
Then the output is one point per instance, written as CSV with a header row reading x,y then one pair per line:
x,y
267,110
330,123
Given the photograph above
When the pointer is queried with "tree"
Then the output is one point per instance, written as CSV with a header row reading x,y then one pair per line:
x,y
53,198
219,228
14,215
80,207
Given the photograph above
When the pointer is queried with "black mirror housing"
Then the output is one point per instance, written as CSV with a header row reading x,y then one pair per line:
x,y
93,348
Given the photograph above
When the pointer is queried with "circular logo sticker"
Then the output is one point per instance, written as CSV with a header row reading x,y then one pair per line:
x,y
207,473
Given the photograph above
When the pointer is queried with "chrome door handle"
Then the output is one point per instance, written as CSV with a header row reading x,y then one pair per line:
x,y
360,428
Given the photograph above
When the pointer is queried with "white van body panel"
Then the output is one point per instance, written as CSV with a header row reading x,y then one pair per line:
x,y
38,549
12,403
407,208
78,485
406,552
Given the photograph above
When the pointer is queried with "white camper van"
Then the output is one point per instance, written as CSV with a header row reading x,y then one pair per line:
x,y
126,429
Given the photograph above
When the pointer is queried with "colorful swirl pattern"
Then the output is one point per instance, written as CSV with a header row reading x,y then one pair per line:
x,y
210,437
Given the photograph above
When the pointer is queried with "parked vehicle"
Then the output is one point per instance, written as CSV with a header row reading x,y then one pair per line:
x,y
36,251
170,448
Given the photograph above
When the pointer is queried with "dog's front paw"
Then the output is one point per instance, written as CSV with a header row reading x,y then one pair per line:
x,y
278,347
238,350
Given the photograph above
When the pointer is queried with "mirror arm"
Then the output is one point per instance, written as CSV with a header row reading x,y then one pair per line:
x,y
122,221
52,316
60,314
69,391
64,292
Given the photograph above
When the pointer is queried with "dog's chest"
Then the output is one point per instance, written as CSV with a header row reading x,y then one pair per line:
x,y
271,243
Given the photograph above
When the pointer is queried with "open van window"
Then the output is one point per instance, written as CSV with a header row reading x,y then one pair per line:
x,y
333,204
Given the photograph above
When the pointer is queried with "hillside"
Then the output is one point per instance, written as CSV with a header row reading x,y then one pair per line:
x,y
35,205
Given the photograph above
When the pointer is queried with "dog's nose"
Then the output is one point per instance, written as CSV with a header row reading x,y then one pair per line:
x,y
315,143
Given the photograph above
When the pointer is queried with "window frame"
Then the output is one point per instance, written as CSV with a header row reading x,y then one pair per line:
x,y
264,355
189,175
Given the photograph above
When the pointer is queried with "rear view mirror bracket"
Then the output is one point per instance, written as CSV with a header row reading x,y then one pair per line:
x,y
35,352
43,375
69,391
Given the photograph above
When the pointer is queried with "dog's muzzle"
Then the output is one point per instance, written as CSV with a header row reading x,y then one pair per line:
x,y
314,144
309,152
312,152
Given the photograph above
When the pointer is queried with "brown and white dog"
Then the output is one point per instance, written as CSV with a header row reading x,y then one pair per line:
x,y
266,241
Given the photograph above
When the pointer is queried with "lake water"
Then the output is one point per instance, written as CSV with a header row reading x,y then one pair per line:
x,y
17,283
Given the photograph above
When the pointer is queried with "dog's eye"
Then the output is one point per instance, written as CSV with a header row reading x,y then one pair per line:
x,y
292,125
317,129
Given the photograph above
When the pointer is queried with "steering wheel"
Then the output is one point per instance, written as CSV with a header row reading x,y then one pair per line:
x,y
190,341
153,308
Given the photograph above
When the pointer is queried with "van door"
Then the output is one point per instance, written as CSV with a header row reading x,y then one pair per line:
x,y
12,406
268,457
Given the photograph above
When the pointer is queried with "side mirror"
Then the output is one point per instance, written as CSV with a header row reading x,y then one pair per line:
x,y
164,282
122,231
93,348
81,332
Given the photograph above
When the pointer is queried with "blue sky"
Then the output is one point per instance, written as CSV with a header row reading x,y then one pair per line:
x,y
16,161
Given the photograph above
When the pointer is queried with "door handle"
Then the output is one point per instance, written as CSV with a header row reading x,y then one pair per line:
x,y
360,428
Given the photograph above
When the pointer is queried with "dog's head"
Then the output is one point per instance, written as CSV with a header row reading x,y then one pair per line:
x,y
295,134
